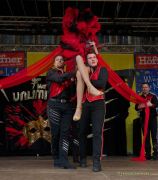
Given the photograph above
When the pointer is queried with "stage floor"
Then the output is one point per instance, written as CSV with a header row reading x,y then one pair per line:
x,y
33,168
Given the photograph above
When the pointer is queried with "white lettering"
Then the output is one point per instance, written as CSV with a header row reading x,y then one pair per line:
x,y
147,79
27,95
148,60
8,60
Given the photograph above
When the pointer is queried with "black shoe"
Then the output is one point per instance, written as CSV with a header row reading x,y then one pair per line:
x,y
83,163
96,166
76,160
154,157
57,163
67,166
148,157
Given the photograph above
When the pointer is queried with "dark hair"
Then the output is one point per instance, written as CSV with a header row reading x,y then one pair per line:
x,y
145,83
57,56
90,53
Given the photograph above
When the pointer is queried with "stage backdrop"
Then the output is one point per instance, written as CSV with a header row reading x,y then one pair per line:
x,y
24,111
146,70
10,63
24,97
123,64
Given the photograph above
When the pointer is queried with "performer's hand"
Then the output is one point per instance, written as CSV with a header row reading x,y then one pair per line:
x,y
92,43
149,104
140,106
72,79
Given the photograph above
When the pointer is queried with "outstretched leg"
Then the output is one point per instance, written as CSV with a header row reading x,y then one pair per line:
x,y
80,91
85,76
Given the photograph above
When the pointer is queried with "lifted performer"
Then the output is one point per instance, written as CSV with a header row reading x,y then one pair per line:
x,y
79,28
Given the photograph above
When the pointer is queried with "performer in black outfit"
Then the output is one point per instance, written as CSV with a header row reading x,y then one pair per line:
x,y
93,109
74,140
74,129
60,111
152,127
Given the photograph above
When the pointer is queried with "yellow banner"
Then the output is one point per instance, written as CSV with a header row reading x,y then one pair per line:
x,y
119,61
33,57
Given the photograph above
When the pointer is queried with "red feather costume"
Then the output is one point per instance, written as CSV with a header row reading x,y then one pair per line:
x,y
78,29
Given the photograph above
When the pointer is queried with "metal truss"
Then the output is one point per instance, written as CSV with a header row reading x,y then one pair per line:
x,y
151,48
41,25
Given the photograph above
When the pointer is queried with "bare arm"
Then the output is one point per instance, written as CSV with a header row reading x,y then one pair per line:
x,y
92,43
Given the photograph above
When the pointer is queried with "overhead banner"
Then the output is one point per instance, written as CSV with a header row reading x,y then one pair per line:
x,y
12,59
11,62
146,61
149,76
119,61
146,66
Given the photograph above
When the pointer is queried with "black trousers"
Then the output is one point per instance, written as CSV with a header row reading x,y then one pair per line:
x,y
92,112
74,139
60,118
152,129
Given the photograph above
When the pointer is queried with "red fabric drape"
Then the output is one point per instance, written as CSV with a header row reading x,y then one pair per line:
x,y
32,71
122,88
76,40
45,63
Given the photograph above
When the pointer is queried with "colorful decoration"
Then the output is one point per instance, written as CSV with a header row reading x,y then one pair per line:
x,y
78,28
27,132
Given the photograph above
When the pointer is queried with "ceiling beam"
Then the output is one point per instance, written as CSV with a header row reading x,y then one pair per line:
x,y
154,11
141,10
117,10
23,8
36,7
49,10
10,9
102,11
121,0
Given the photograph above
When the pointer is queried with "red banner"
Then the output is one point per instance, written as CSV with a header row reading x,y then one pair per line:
x,y
12,59
146,61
